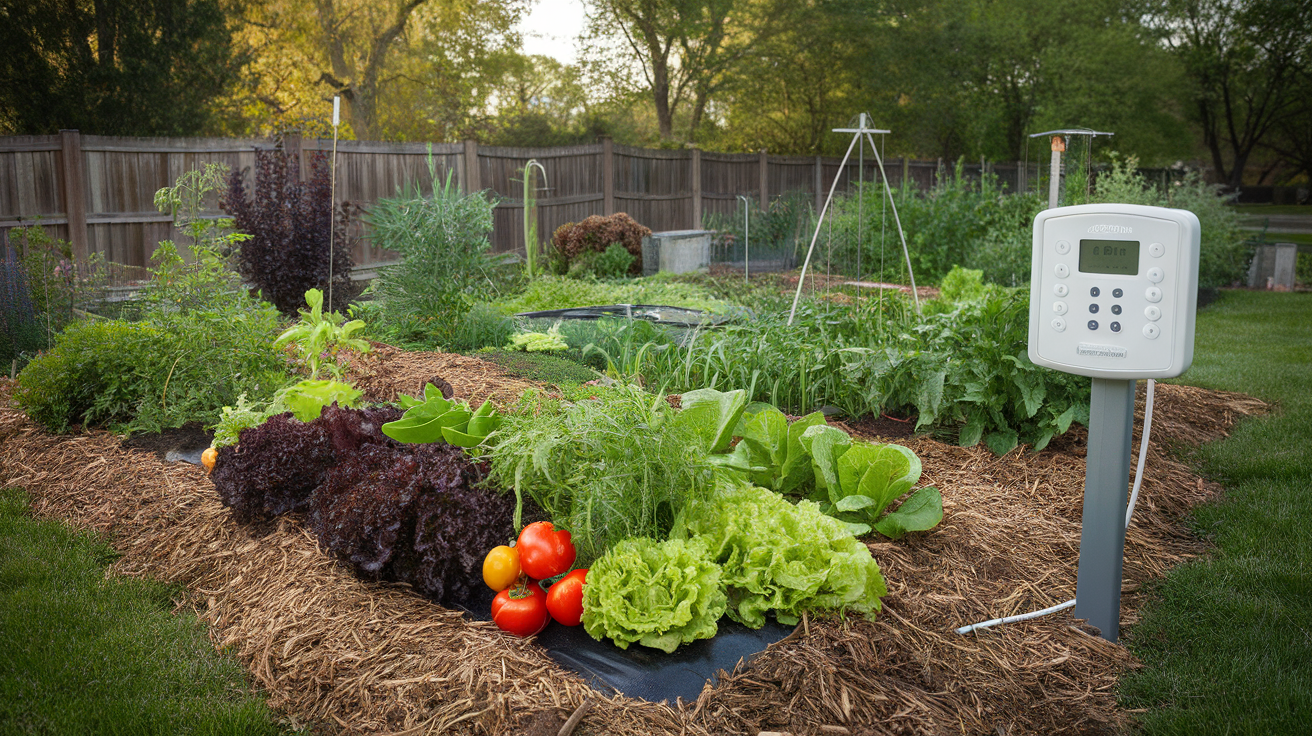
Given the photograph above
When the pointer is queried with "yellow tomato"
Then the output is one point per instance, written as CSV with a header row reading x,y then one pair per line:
x,y
501,567
208,457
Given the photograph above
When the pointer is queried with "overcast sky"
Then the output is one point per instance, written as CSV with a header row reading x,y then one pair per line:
x,y
551,28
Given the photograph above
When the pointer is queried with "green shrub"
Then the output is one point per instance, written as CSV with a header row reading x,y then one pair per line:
x,y
148,376
612,263
445,266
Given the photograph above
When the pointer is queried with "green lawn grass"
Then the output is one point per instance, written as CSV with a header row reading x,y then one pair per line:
x,y
1227,640
82,653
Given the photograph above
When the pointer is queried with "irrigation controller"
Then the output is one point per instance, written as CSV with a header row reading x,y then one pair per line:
x,y
1113,291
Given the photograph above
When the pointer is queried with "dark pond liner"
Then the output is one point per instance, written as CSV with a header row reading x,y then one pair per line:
x,y
643,672
659,314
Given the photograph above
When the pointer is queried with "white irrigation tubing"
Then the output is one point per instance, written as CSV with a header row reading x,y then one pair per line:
x,y
1129,514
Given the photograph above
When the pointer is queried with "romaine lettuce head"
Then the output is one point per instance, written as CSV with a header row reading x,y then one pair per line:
x,y
780,556
658,594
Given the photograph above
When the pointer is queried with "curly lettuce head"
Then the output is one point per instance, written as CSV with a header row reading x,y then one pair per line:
x,y
783,557
658,594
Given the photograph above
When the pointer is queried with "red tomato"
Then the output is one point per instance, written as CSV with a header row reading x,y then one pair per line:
x,y
521,609
543,551
565,599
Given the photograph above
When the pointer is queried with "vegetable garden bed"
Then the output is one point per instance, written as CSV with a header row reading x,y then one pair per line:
x,y
337,651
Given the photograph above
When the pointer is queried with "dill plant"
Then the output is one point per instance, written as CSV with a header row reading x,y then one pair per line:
x,y
605,468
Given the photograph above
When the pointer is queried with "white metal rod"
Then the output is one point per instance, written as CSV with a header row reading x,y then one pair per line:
x,y
898,220
818,223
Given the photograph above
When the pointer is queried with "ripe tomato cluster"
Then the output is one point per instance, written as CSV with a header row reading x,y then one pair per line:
x,y
521,607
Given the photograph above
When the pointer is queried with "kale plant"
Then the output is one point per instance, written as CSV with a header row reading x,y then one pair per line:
x,y
290,222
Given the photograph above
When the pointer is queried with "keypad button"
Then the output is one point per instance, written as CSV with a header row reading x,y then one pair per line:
x,y
1061,290
1151,331
1063,247
1059,324
1152,313
1155,275
1062,270
1117,293
1059,307
1156,250
1094,291
1093,309
1116,308
1153,294
1093,324
1116,326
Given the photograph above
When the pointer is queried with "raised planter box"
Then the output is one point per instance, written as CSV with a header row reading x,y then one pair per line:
x,y
676,251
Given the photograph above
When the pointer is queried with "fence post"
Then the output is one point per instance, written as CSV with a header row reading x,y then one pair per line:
x,y
696,189
607,175
765,180
906,172
75,204
291,144
472,182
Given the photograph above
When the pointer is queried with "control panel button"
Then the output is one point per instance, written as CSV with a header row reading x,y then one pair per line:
x,y
1094,291
1116,326
1151,331
1117,293
1059,324
1116,308
1156,250
1061,290
1062,270
1155,275
1152,313
1093,309
1059,307
1093,324
1063,247
1153,294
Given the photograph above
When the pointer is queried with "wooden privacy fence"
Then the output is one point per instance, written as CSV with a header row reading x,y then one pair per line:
x,y
98,191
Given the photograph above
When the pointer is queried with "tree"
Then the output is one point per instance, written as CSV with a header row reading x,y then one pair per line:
x,y
682,48
405,69
114,67
1245,59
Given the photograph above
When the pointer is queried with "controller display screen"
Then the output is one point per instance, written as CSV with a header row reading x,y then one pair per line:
x,y
1120,257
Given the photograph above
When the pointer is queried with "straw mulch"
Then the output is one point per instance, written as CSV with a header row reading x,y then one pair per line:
x,y
351,656
386,372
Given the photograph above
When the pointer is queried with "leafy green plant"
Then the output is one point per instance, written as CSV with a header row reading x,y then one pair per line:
x,y
304,399
613,263
781,557
860,480
58,284
771,452
538,342
433,418
319,337
658,594
554,292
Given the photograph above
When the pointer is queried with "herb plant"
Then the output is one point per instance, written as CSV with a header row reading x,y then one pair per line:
x,y
606,468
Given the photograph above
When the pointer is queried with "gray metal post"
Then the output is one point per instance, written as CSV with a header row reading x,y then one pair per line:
x,y
1106,482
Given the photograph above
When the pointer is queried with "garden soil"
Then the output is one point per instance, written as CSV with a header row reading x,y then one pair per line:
x,y
350,656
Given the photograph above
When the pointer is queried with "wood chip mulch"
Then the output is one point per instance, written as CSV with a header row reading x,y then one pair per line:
x,y
355,657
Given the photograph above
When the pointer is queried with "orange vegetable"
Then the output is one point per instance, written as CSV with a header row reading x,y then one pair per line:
x,y
501,567
208,457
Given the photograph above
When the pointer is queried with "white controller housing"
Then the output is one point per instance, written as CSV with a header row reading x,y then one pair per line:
x,y
1113,290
